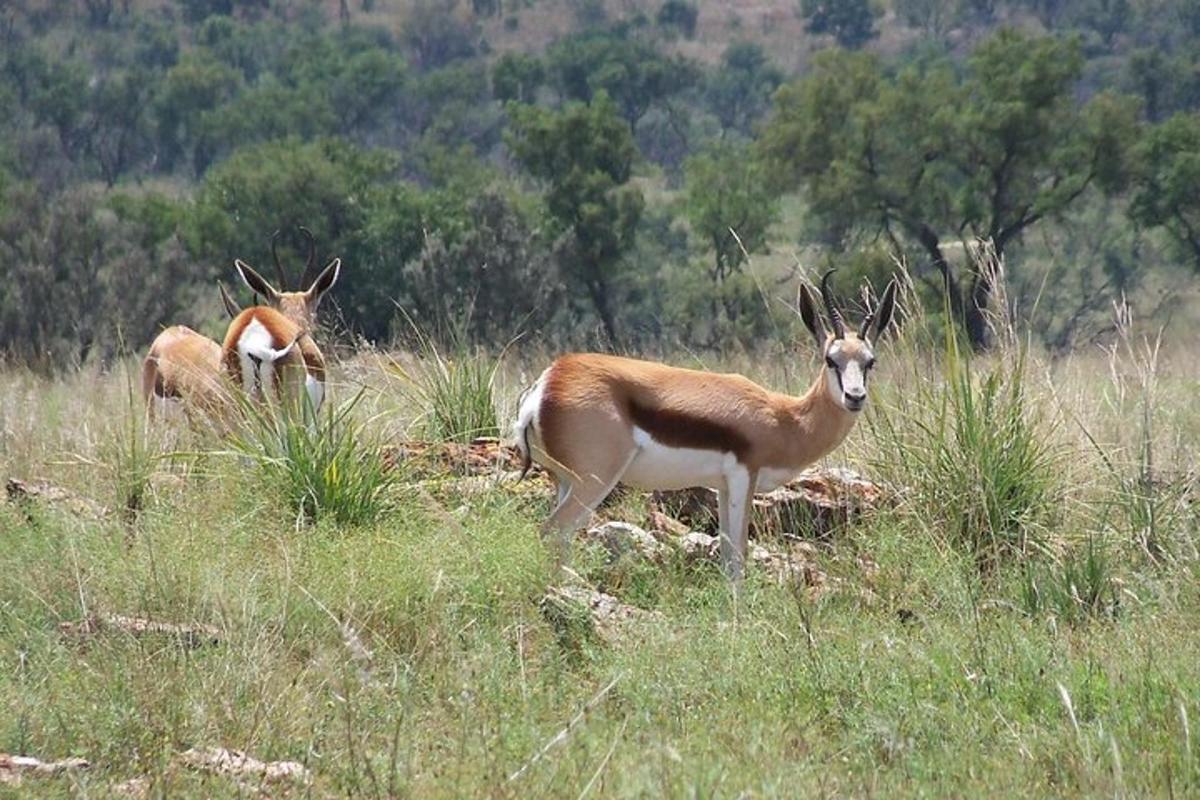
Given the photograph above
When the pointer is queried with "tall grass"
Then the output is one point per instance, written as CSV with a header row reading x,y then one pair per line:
x,y
326,466
972,451
454,391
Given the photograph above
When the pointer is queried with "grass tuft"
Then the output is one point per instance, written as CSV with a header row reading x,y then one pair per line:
x,y
327,467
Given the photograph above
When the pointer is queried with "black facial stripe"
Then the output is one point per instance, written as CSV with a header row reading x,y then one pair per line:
x,y
836,371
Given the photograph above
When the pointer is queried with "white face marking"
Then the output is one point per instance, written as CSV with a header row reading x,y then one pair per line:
x,y
658,466
847,369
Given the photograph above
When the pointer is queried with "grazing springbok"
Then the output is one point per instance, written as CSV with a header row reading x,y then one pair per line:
x,y
270,349
184,365
597,420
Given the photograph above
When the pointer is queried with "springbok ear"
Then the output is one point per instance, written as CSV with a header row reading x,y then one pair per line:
x,y
257,283
231,307
808,313
886,306
324,282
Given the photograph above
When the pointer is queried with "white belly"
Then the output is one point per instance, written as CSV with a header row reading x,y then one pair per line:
x,y
658,466
770,478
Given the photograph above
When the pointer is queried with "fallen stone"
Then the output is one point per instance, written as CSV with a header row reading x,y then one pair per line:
x,y
797,565
26,494
13,769
816,503
189,634
606,615
622,539
482,456
237,764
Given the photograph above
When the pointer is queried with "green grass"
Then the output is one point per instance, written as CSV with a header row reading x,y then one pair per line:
x,y
409,653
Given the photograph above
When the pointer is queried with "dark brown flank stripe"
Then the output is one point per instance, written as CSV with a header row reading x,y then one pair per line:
x,y
669,428
677,429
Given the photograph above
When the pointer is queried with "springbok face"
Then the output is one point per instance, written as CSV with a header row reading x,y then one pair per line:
x,y
300,307
849,356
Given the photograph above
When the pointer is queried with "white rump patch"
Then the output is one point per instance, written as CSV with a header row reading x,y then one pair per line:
x,y
257,343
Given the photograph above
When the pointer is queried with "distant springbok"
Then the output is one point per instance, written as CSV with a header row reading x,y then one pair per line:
x,y
269,350
185,366
597,420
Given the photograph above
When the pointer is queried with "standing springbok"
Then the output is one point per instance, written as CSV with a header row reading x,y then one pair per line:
x,y
265,345
597,420
184,365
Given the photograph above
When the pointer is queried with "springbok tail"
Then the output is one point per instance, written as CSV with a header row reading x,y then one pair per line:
x,y
526,452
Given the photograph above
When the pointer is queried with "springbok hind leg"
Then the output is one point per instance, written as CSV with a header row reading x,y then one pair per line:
x,y
578,496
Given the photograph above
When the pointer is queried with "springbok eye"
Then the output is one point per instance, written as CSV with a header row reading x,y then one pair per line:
x,y
869,364
829,362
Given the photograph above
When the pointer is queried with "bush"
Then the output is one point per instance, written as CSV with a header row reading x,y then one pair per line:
x,y
325,466
678,15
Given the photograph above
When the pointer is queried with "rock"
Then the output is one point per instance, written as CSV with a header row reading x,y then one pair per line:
x,y
26,493
816,504
605,614
236,764
15,768
483,456
622,538
797,564
189,634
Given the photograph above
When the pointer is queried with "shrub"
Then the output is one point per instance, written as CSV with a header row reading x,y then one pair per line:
x,y
325,465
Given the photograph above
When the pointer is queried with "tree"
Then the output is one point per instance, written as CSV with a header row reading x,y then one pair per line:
x,y
738,92
1168,182
729,205
731,209
679,16
929,155
851,22
584,154
489,280
633,73
436,35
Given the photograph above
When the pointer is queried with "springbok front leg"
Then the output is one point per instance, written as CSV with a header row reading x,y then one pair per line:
x,y
735,502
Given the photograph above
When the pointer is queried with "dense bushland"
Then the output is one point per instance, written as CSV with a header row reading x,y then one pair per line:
x,y
576,169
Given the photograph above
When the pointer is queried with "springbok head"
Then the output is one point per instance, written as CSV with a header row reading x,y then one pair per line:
x,y
299,306
849,355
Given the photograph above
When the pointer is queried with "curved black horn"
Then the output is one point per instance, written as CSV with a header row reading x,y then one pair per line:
x,y
278,267
312,257
835,316
862,332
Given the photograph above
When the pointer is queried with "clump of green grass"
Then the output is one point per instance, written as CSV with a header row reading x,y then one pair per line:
x,y
326,465
455,389
973,451
1077,587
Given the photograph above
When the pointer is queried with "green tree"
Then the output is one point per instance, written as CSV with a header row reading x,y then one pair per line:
x,y
584,154
850,22
738,91
1168,182
931,155
633,73
729,205
731,209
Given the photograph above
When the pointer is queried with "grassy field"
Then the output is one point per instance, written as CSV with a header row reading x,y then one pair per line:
x,y
1019,622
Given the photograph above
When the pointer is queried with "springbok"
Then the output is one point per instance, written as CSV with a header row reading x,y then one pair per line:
x,y
264,343
597,420
184,365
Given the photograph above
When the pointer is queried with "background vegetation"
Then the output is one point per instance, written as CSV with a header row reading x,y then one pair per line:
x,y
572,168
